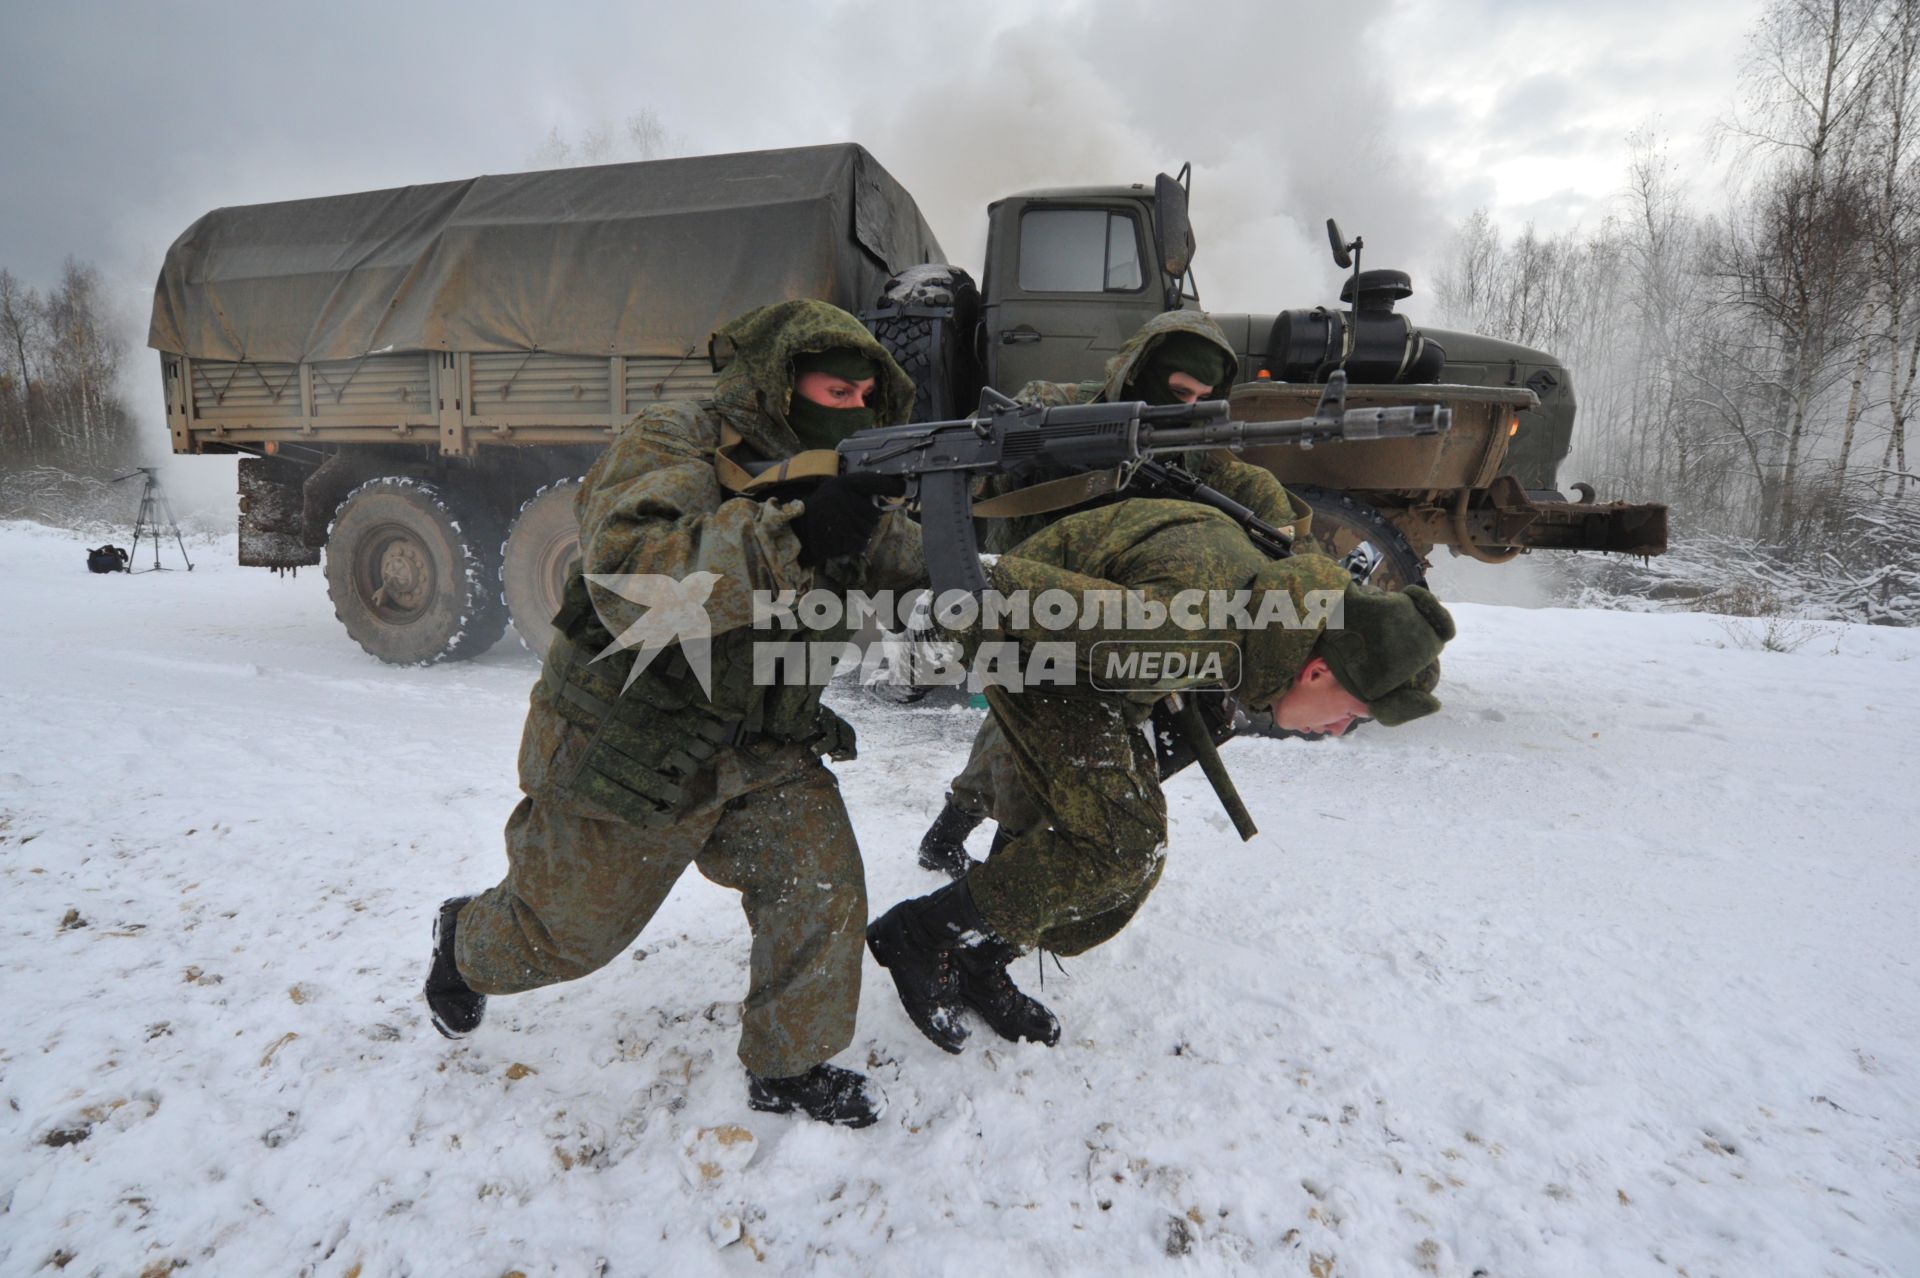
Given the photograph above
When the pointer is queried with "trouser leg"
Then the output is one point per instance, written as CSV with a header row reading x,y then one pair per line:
x,y
991,785
972,790
788,848
1102,844
578,890
1069,939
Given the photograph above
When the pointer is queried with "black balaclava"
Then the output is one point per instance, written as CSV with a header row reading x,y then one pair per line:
x,y
817,425
1187,353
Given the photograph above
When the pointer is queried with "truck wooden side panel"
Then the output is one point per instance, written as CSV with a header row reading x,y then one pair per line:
x,y
458,402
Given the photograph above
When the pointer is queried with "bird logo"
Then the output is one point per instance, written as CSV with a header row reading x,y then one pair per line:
x,y
674,613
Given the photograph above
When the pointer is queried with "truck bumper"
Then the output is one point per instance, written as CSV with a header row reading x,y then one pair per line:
x,y
1501,520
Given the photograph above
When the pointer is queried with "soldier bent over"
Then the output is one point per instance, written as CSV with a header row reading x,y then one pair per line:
x,y
1077,876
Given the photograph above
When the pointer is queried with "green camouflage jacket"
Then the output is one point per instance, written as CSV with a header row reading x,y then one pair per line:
x,y
653,504
1251,486
1158,550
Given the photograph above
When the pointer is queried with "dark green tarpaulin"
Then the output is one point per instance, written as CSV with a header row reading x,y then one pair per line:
x,y
618,259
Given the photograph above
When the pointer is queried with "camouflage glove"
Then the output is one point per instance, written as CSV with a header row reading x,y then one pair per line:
x,y
840,516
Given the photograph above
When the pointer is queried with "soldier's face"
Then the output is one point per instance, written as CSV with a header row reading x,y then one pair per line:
x,y
829,391
1187,388
1317,703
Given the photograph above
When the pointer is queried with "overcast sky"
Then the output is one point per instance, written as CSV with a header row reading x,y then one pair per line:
x,y
120,124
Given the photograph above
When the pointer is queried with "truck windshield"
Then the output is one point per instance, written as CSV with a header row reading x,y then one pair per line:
x,y
1079,251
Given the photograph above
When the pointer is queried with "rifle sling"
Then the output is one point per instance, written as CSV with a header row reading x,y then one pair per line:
x,y
1054,494
815,463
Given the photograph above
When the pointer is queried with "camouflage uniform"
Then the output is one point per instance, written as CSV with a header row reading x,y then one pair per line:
x,y
989,786
1077,876
1073,881
626,785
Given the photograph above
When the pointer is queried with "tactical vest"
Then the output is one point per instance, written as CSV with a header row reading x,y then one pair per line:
x,y
648,739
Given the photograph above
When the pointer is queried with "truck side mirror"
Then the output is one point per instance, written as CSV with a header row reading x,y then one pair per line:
x,y
1338,243
1173,233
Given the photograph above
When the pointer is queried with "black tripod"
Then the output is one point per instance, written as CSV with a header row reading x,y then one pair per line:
x,y
155,519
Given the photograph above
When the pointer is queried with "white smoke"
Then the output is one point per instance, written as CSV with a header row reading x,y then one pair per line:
x,y
1278,108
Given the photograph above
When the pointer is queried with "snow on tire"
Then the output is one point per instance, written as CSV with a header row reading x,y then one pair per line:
x,y
413,571
540,550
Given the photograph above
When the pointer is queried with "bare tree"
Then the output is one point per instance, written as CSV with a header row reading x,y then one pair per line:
x,y
59,358
1894,227
21,325
641,136
1794,257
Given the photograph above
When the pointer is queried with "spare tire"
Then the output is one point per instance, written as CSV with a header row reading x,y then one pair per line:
x,y
1342,525
926,317
413,571
541,548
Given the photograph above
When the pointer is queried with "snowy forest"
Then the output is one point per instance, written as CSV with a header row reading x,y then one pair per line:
x,y
66,429
61,356
1749,355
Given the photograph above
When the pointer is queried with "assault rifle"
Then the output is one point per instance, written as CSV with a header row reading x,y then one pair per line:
x,y
940,460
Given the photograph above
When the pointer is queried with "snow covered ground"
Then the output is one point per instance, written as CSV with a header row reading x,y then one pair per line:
x,y
1610,969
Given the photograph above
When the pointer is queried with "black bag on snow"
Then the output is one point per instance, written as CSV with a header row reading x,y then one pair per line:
x,y
106,559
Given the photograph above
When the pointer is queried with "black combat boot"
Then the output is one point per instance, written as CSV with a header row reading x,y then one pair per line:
x,y
988,990
944,846
916,942
825,1092
456,1009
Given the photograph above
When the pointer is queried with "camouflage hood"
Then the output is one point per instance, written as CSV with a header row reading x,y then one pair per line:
x,y
756,385
1121,368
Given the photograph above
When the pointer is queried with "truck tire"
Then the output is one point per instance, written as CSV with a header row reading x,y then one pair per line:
x,y
926,318
1341,523
413,571
541,549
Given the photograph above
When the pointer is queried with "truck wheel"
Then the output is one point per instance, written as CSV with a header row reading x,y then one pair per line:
x,y
411,569
932,348
1341,525
541,549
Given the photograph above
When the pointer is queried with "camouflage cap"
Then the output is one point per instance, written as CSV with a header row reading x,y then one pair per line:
x,y
1387,652
1276,653
840,362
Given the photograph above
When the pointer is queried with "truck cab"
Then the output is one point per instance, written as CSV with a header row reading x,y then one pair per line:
x,y
1070,274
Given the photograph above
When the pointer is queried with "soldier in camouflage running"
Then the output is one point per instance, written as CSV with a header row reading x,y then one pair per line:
x,y
1075,877
629,778
1177,357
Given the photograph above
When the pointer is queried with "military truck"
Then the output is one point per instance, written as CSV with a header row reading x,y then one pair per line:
x,y
417,378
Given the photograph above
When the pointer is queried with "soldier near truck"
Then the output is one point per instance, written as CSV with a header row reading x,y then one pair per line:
x,y
1175,357
632,769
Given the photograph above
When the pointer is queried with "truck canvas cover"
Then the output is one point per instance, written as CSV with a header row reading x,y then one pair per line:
x,y
618,259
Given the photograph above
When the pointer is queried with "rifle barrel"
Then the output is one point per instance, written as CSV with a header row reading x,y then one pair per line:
x,y
1355,424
